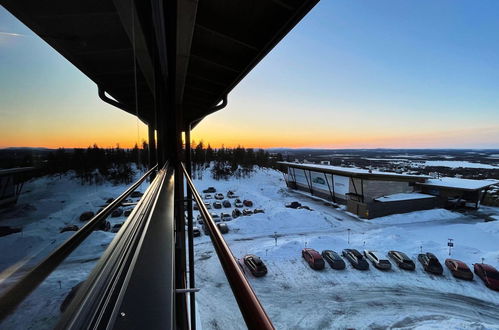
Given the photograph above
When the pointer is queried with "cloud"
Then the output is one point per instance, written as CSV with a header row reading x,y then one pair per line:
x,y
9,34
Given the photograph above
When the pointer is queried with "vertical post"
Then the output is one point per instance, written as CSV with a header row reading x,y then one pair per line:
x,y
192,278
152,148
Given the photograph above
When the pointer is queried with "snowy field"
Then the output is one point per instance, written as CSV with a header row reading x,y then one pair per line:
x,y
297,297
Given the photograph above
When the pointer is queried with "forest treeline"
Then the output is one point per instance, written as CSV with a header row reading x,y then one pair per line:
x,y
95,165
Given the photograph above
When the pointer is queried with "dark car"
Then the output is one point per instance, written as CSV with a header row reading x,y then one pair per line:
x,y
231,194
236,213
225,217
238,203
293,205
356,259
459,269
209,190
402,260
430,263
313,258
196,232
247,212
200,219
488,274
226,203
255,265
215,217
255,211
195,206
219,196
137,194
224,229
377,261
333,259
117,213
217,205
247,203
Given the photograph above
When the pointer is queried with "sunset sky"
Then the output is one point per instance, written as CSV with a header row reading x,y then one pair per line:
x,y
352,74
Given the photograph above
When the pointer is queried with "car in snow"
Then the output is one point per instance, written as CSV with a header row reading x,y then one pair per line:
x,y
225,217
231,194
255,265
209,190
224,229
236,213
293,205
255,211
247,203
215,217
217,205
377,261
196,232
247,212
488,274
459,269
195,206
430,263
226,203
219,196
333,259
200,219
356,259
208,205
313,258
208,196
402,260
238,203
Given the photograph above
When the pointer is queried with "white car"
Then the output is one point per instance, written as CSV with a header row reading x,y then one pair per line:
x,y
238,203
377,260
208,196
219,196
208,205
215,217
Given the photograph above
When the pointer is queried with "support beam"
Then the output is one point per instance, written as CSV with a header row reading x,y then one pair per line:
x,y
192,275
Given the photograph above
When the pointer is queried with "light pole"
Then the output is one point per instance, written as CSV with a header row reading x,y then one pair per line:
x,y
450,244
348,231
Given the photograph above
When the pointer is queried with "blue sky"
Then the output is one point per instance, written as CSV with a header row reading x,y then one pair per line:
x,y
351,74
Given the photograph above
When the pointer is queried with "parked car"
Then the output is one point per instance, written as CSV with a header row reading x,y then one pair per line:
x,y
488,274
226,203
377,261
136,194
208,205
430,263
238,203
205,229
313,258
117,213
200,219
255,265
224,229
231,194
247,212
459,269
356,259
195,206
402,260
208,196
196,232
209,190
236,213
293,205
215,217
333,259
219,196
68,228
226,217
247,203
217,205
85,216
255,211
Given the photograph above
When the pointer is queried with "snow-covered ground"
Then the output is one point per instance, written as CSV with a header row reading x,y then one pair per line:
x,y
45,205
297,297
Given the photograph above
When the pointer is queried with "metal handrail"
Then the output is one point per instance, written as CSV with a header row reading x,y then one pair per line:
x,y
14,295
252,310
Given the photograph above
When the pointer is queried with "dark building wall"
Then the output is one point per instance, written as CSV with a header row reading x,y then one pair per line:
x,y
379,209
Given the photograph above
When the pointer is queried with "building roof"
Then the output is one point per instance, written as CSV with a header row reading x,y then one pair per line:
x,y
460,184
402,197
15,170
357,172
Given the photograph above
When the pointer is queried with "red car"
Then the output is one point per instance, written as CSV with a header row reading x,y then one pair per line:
x,y
459,269
247,203
313,258
488,274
